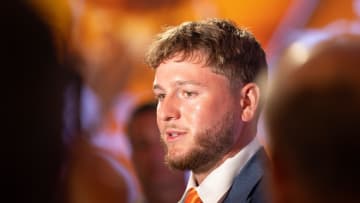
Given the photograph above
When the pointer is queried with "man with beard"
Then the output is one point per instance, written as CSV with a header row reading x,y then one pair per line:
x,y
208,108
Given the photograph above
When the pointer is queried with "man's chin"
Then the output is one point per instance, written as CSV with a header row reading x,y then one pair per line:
x,y
176,162
186,161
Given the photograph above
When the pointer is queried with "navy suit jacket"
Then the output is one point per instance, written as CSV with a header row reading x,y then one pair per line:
x,y
250,185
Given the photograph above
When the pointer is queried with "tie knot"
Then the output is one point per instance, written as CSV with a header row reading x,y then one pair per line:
x,y
192,196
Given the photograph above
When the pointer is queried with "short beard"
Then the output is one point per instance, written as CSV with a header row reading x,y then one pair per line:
x,y
212,143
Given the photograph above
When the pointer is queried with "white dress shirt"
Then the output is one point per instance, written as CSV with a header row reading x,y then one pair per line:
x,y
218,182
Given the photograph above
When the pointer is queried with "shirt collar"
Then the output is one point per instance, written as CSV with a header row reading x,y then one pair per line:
x,y
218,182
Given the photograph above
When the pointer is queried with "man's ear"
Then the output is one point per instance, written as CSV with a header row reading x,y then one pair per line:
x,y
249,101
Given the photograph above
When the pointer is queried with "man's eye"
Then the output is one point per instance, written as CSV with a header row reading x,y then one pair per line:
x,y
189,94
160,97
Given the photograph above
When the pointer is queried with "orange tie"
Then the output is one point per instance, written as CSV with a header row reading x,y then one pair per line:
x,y
192,197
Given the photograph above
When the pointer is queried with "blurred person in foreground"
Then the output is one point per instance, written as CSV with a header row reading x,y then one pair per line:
x,y
34,104
159,183
313,121
208,108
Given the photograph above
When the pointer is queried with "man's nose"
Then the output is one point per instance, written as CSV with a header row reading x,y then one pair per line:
x,y
168,109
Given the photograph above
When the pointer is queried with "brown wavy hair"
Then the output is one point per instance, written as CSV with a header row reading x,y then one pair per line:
x,y
229,50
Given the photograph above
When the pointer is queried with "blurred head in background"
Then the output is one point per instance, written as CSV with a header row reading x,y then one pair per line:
x,y
313,120
160,184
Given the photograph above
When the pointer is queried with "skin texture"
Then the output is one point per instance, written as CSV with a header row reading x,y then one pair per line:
x,y
198,134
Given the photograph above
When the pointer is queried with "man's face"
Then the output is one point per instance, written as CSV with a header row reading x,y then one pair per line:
x,y
197,114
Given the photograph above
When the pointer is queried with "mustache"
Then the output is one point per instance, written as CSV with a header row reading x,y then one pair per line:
x,y
174,126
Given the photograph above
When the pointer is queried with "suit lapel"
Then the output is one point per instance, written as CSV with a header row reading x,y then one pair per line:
x,y
247,180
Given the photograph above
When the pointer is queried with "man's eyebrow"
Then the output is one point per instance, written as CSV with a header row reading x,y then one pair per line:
x,y
157,87
179,83
188,82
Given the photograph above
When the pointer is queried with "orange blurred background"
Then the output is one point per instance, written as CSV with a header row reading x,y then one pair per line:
x,y
109,39
101,30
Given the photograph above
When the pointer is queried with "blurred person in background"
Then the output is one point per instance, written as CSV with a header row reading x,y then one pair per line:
x,y
97,170
208,108
101,169
159,183
313,119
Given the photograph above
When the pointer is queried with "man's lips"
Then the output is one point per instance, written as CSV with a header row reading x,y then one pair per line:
x,y
174,134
